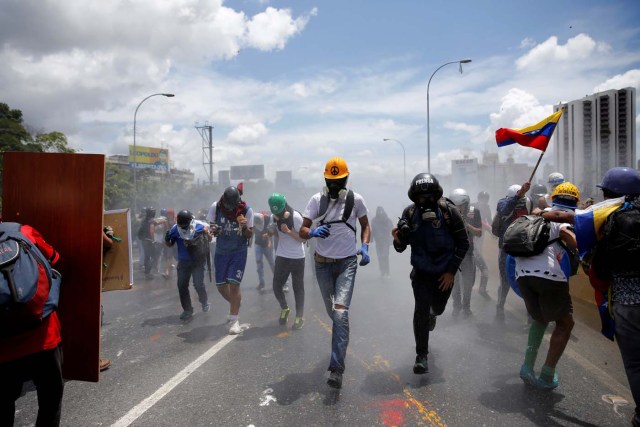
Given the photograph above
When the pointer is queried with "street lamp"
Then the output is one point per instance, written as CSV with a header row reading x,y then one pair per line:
x,y
135,152
404,157
461,61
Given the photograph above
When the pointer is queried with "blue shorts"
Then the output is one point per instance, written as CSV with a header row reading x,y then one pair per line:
x,y
230,267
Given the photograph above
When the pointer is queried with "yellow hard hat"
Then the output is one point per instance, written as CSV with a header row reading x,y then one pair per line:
x,y
336,168
566,189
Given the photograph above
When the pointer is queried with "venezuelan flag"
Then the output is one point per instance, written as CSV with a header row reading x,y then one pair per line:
x,y
588,222
536,136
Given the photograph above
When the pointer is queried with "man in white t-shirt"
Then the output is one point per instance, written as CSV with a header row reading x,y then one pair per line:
x,y
336,211
545,290
290,257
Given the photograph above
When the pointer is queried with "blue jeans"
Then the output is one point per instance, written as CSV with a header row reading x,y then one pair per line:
x,y
267,252
336,281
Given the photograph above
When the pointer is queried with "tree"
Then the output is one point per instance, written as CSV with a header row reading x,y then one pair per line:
x,y
118,188
14,136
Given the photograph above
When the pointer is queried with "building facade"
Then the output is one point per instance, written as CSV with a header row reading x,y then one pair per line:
x,y
595,134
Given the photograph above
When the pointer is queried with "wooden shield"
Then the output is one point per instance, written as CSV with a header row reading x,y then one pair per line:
x,y
62,195
117,267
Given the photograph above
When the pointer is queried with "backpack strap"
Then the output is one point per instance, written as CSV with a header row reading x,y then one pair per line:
x,y
446,211
348,208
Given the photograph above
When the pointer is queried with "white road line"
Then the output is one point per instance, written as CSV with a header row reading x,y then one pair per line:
x,y
147,403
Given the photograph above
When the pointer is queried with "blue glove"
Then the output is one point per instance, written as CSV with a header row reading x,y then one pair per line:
x,y
364,251
322,231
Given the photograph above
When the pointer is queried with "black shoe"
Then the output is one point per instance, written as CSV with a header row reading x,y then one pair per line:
x,y
420,367
432,322
335,379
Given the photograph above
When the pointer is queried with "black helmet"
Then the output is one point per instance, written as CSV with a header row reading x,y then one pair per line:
x,y
483,196
230,198
184,218
150,212
424,184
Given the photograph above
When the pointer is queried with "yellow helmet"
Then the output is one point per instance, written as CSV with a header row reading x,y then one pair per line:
x,y
566,189
336,168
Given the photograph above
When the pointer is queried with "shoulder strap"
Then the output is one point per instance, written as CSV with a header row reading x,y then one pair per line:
x,y
324,203
446,211
348,206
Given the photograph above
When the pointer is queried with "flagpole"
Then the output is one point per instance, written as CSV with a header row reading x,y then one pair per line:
x,y
536,167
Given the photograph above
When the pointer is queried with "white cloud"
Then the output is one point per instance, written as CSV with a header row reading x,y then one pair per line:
x,y
550,53
527,43
247,134
463,127
272,28
629,79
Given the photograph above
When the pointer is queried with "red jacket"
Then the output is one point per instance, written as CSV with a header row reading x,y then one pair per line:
x,y
47,335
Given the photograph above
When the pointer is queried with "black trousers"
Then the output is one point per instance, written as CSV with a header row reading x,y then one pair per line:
x,y
45,369
628,336
284,267
428,298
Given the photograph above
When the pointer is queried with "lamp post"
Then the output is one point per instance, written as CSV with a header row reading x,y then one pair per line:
x,y
404,158
135,161
461,61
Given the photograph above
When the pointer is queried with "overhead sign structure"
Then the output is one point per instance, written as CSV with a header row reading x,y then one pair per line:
x,y
156,159
247,172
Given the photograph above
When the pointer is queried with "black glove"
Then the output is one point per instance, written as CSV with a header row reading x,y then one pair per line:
x,y
404,229
167,236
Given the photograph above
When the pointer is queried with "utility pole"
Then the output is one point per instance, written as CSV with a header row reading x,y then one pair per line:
x,y
206,133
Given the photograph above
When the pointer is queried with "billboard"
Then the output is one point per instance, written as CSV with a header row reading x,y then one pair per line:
x,y
156,159
247,172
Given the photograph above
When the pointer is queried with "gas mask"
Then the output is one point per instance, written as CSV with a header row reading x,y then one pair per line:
x,y
428,204
335,186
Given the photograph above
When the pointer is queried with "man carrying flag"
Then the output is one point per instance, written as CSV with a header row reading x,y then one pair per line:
x,y
514,205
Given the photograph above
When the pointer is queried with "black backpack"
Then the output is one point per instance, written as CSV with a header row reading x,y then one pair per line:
x,y
348,208
527,236
622,229
198,247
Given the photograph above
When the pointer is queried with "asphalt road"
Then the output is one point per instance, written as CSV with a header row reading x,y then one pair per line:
x,y
167,373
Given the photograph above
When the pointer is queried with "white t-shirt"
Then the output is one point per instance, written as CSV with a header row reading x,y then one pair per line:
x,y
341,243
546,264
288,246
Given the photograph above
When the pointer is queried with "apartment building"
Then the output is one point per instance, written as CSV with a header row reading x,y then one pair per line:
x,y
595,134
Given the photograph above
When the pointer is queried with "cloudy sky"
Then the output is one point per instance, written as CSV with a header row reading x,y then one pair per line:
x,y
291,83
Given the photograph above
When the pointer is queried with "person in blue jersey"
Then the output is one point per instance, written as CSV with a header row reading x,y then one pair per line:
x,y
186,234
231,221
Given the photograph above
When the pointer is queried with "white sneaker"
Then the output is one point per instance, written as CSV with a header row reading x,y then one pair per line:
x,y
235,328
